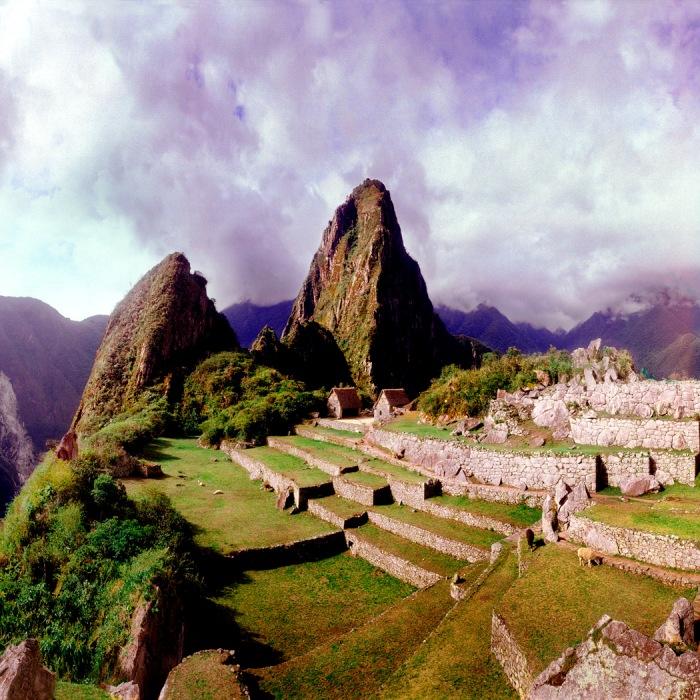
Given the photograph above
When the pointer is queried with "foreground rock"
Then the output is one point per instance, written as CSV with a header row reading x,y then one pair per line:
x,y
22,674
679,628
639,485
618,662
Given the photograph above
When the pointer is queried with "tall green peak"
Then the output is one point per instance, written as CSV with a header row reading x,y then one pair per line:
x,y
155,336
369,293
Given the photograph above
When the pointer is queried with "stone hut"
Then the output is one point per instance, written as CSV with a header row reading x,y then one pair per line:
x,y
387,403
344,402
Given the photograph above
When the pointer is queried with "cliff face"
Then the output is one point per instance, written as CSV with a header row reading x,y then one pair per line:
x,y
158,332
16,452
369,293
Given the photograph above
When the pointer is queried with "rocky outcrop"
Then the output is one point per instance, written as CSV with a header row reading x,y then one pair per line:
x,y
155,645
22,674
160,330
16,451
679,628
616,661
369,293
639,485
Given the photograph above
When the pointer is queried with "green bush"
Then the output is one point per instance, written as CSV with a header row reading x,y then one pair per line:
x,y
230,396
460,392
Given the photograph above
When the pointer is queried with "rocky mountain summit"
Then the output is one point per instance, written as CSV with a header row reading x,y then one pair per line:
x,y
158,332
369,293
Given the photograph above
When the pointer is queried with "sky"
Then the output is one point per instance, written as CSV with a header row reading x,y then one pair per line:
x,y
543,157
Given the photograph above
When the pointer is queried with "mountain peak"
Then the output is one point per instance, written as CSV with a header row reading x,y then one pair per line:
x,y
369,293
164,325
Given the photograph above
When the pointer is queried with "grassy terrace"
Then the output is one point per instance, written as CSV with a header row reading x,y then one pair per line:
x,y
334,432
203,677
365,479
409,424
428,559
455,662
243,516
446,528
335,454
393,471
357,665
288,465
78,691
295,608
673,511
557,601
341,506
520,515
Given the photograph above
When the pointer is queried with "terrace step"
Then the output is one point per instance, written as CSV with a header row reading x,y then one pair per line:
x,y
339,511
406,560
281,472
330,435
442,535
332,459
363,487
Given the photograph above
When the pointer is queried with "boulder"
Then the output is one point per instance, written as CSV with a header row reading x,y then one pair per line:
x,y
125,691
678,629
549,520
639,485
22,674
285,499
68,447
537,441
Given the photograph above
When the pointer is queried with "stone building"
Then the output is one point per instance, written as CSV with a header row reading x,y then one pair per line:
x,y
387,403
344,402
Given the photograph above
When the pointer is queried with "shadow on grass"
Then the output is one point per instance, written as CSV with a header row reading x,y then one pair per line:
x,y
212,625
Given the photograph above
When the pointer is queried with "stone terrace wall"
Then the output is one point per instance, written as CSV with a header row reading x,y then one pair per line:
x,y
444,457
510,656
400,568
454,548
661,550
497,494
311,460
643,399
668,467
651,433
361,493
320,511
290,553
481,521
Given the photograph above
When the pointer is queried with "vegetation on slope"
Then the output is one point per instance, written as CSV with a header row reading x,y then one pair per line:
x,y
229,396
78,557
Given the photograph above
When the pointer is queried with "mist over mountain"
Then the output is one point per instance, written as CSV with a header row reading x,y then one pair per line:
x,y
248,319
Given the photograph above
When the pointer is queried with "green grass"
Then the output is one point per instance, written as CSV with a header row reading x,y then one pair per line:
x,y
440,526
342,506
410,425
365,479
295,608
335,454
243,516
78,691
357,665
334,432
456,661
520,515
557,601
290,466
203,677
426,558
393,471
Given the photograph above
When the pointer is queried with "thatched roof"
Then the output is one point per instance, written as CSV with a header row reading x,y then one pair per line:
x,y
347,397
395,397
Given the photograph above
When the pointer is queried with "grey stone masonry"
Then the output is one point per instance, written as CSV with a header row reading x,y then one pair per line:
x,y
510,656
443,458
317,507
661,550
361,493
396,566
653,433
419,535
667,467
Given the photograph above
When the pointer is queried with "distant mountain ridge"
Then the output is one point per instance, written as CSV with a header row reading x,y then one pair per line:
x,y
664,338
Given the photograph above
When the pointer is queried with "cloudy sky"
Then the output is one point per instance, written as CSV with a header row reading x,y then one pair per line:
x,y
542,156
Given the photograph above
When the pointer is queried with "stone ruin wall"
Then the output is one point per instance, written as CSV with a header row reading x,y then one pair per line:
x,y
532,471
510,656
459,550
642,399
660,550
665,466
365,495
627,432
400,568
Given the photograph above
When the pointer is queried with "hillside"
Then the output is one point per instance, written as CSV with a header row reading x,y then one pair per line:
x,y
369,293
47,357
155,335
